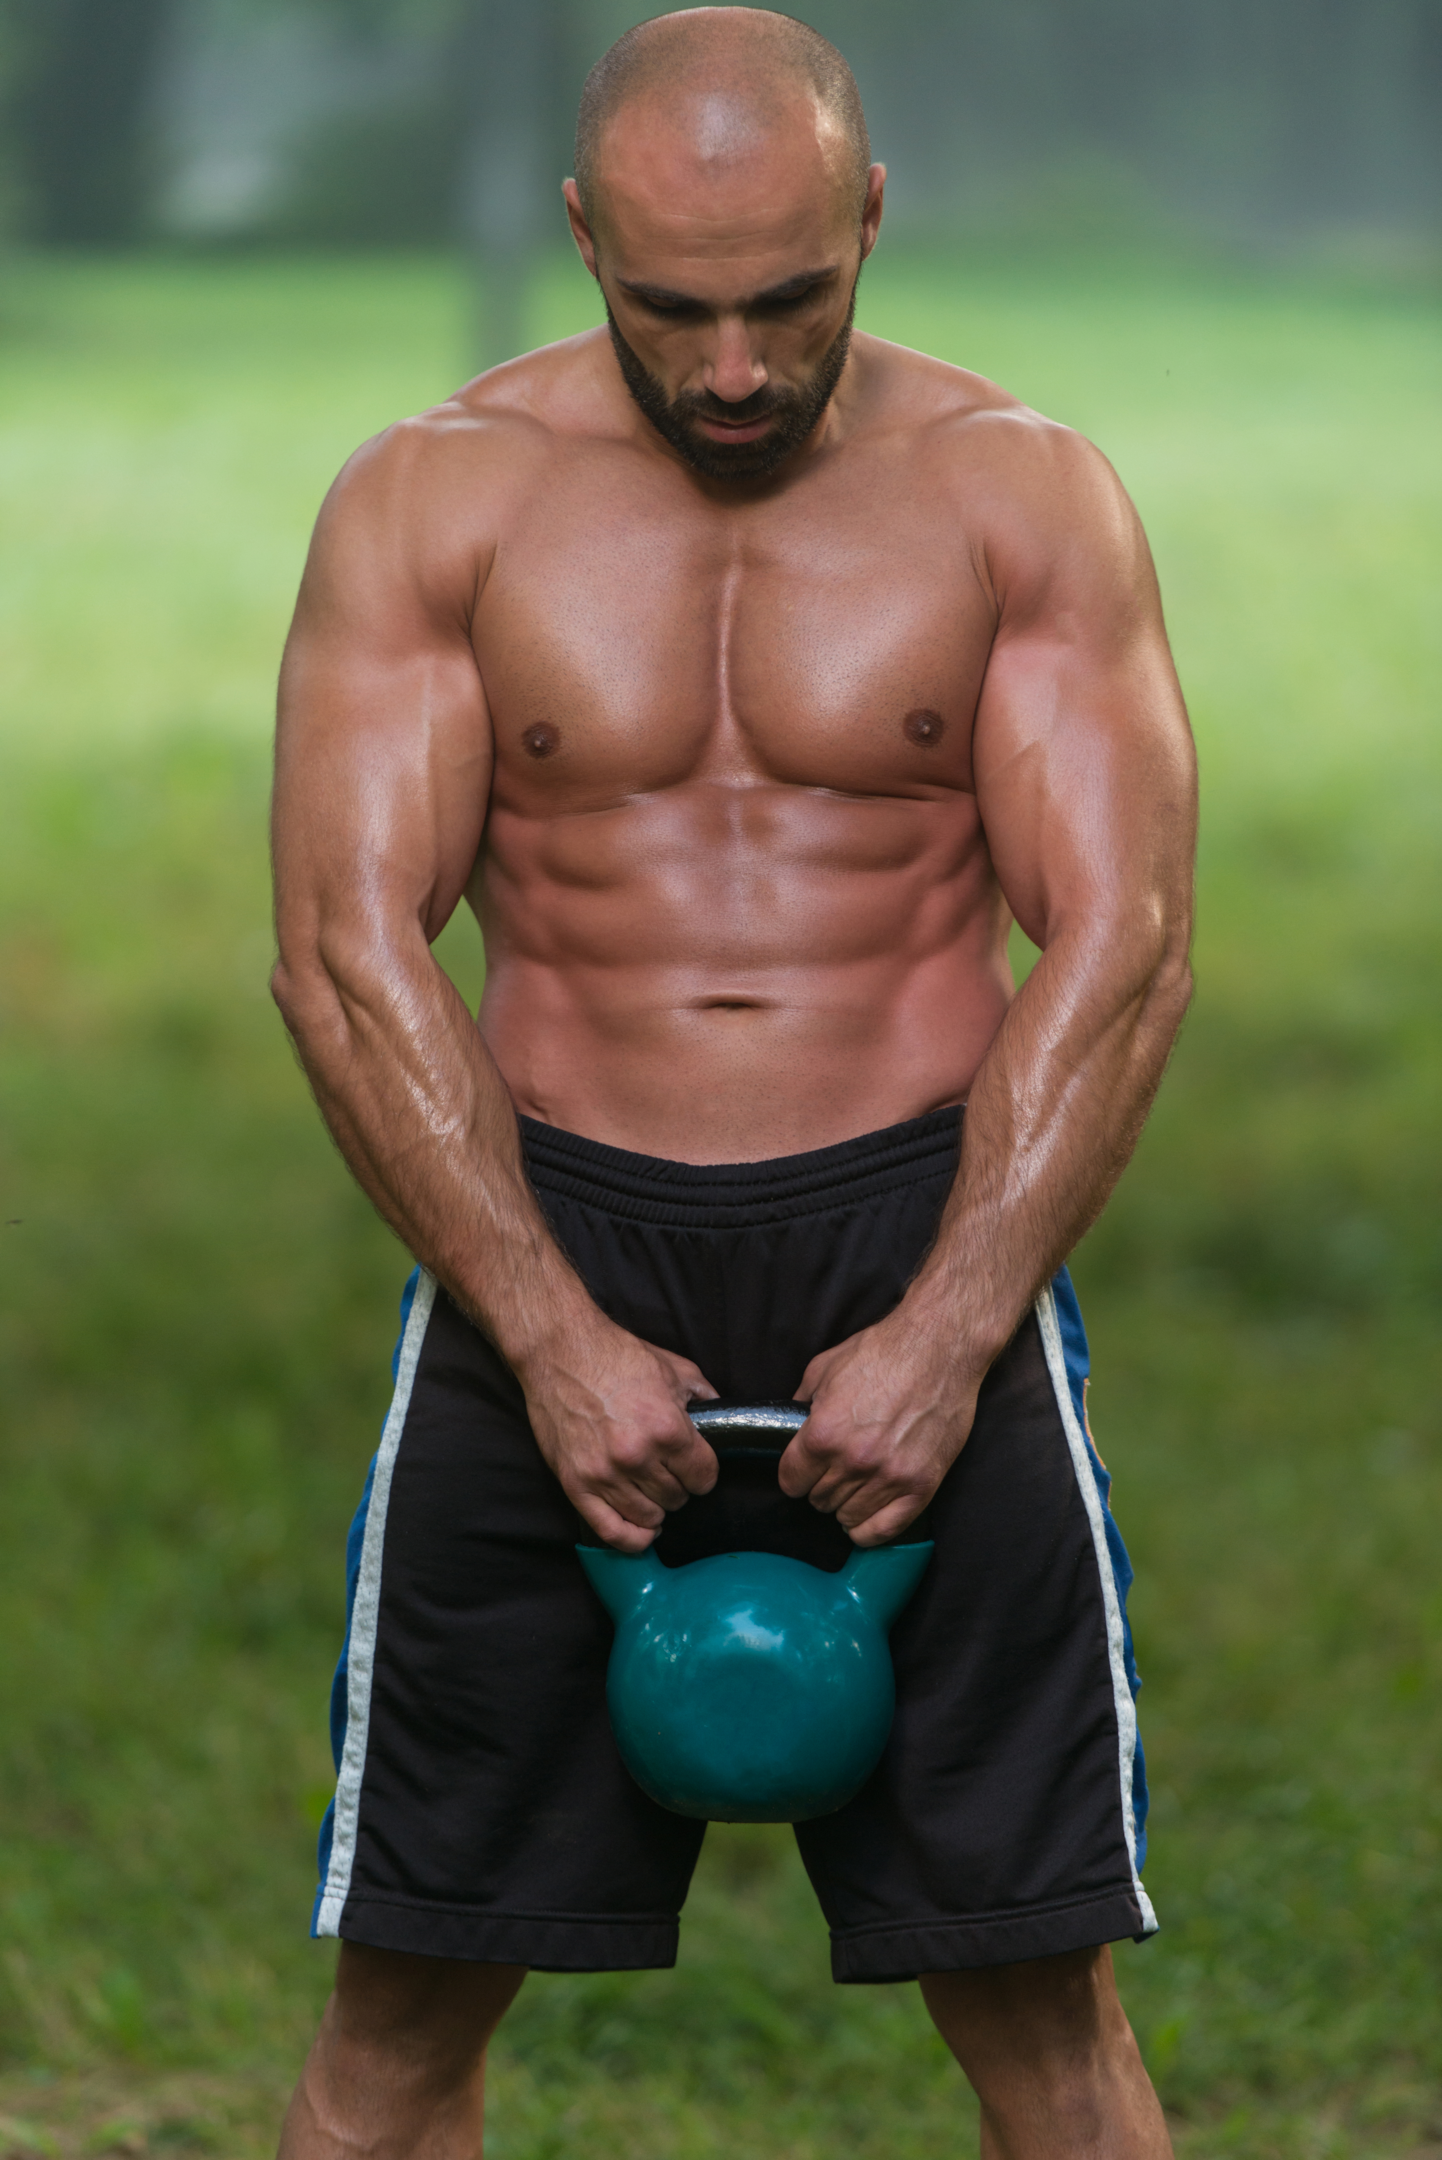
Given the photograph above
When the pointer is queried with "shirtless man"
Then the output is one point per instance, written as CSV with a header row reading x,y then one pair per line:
x,y
747,678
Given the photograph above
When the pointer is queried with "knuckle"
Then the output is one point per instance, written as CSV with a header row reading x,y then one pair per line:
x,y
823,1445
865,1458
635,1506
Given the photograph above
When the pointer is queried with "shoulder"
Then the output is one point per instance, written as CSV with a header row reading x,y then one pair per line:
x,y
1043,511
966,431
429,498
485,445
1048,525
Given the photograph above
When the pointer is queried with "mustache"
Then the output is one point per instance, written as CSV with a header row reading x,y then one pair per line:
x,y
707,406
792,409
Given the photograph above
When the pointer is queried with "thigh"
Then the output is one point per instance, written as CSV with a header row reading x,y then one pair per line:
x,y
483,1811
995,1828
425,2007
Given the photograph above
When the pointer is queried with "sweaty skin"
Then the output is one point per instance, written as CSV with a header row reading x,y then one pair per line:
x,y
745,780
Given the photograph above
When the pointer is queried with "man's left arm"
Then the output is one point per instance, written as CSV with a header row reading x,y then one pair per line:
x,y
1085,779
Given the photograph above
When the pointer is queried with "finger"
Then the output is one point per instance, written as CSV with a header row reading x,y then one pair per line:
x,y
824,1469
687,1455
814,1376
871,1495
839,1491
853,1494
887,1523
610,1527
688,1376
669,1465
663,1487
801,1466
829,1494
824,1480
824,1364
640,1484
694,1461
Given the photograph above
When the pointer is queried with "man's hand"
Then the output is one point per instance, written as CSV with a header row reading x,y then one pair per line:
x,y
891,1409
609,1415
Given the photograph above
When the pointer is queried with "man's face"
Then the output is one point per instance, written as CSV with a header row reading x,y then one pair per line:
x,y
728,259
745,440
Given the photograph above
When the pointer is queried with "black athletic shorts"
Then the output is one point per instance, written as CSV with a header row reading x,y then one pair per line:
x,y
482,1810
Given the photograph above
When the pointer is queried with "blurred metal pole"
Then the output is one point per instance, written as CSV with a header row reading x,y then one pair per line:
x,y
510,199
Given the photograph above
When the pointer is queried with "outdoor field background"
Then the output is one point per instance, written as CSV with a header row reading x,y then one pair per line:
x,y
197,1308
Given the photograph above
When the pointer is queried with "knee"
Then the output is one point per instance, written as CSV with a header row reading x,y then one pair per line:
x,y
399,2059
1049,2051
415,2021
1052,2008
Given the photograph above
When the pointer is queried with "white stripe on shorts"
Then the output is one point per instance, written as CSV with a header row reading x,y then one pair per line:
x,y
365,1613
1126,1709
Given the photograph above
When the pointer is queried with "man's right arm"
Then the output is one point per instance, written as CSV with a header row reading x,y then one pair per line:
x,y
383,768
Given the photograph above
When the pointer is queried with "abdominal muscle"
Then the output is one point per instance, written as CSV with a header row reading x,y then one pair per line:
x,y
726,980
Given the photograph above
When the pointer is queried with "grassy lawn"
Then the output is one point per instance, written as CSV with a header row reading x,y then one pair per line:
x,y
197,1308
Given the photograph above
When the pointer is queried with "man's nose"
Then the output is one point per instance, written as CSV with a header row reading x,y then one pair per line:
x,y
734,371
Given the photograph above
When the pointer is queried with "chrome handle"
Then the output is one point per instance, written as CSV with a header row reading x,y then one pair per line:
x,y
747,1428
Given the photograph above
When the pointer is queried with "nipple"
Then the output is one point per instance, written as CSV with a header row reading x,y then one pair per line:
x,y
542,740
924,727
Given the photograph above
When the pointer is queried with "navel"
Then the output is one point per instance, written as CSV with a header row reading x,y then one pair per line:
x,y
542,740
923,727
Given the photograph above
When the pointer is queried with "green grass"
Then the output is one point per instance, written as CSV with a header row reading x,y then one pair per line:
x,y
197,1307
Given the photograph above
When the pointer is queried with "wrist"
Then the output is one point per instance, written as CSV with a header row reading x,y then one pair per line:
x,y
540,1323
947,1310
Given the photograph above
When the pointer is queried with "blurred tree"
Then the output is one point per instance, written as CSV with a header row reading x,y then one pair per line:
x,y
513,76
78,99
9,192
417,121
477,157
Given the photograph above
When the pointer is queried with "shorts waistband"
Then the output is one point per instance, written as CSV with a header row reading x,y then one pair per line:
x,y
726,1196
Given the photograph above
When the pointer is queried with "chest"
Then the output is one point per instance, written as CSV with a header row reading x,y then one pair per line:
x,y
632,637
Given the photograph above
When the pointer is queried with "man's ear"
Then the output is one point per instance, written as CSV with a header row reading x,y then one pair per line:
x,y
871,215
580,231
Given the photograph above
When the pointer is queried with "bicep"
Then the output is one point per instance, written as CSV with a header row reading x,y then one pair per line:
x,y
1083,758
383,747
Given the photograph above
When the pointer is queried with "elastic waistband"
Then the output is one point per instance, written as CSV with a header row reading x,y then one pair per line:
x,y
736,1196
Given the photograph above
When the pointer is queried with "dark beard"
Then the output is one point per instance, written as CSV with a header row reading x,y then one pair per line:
x,y
793,413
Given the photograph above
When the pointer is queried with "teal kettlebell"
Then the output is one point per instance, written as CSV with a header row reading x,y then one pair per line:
x,y
749,1687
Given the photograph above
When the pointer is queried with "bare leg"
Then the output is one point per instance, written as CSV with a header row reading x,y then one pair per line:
x,y
1051,2055
398,2066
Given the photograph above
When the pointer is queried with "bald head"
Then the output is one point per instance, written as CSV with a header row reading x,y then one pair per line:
x,y
727,78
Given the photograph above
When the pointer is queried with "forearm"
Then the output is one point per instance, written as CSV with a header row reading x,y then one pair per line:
x,y
418,1108
1051,1121
421,1113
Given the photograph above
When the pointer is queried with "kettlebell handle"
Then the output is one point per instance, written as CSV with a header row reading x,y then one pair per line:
x,y
756,1429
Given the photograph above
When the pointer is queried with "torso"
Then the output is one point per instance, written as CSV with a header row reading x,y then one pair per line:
x,y
735,891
